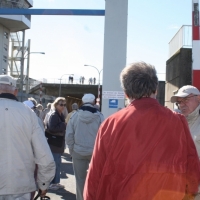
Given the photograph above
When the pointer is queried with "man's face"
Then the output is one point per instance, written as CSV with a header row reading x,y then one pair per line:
x,y
188,104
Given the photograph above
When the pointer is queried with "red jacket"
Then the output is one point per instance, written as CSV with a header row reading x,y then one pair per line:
x,y
143,152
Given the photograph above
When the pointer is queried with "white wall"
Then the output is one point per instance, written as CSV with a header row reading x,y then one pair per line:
x,y
115,47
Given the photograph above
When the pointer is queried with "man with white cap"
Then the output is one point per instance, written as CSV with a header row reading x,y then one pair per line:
x,y
188,101
22,145
81,133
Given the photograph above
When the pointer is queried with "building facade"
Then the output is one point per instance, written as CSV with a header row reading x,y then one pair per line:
x,y
11,23
179,64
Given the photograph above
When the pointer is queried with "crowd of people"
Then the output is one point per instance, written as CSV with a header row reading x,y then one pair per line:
x,y
144,151
91,81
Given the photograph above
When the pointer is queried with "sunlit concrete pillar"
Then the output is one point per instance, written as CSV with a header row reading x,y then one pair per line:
x,y
115,47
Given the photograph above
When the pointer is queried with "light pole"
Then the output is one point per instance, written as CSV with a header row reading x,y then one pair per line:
x,y
60,82
99,72
27,56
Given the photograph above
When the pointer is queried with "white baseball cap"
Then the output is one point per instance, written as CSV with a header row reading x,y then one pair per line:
x,y
7,80
29,103
88,98
184,92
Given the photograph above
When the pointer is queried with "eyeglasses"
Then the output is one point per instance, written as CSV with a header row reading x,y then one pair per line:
x,y
62,105
185,100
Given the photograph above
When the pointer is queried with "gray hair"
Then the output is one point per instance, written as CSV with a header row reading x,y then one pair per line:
x,y
74,106
7,88
139,80
49,105
39,106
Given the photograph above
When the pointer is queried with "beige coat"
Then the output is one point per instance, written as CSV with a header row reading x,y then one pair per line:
x,y
69,115
194,125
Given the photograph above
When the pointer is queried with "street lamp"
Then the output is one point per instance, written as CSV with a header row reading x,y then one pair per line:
x,y
60,82
22,71
27,56
33,52
99,72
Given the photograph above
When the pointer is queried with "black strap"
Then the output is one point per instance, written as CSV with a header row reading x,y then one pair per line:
x,y
8,96
41,198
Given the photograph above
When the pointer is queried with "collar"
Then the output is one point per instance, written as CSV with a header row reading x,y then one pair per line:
x,y
8,96
194,115
145,100
88,104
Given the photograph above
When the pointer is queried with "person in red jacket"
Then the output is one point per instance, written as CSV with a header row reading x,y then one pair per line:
x,y
144,151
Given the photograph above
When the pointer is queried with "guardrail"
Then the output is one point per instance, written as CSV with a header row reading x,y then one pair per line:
x,y
64,81
182,39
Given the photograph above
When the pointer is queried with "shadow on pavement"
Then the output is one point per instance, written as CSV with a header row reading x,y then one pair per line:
x,y
66,168
61,194
67,179
66,157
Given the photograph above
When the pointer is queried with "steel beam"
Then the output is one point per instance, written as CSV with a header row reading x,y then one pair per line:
x,y
7,11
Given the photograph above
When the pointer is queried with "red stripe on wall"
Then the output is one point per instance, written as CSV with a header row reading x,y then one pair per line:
x,y
195,30
196,79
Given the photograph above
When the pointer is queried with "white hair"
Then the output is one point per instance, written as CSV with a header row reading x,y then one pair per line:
x,y
6,88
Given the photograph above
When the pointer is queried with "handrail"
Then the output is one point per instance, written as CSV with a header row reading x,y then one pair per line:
x,y
182,39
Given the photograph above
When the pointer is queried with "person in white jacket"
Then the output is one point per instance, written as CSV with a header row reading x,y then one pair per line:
x,y
81,133
22,146
188,102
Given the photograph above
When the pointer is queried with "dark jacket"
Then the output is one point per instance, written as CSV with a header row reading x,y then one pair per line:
x,y
56,124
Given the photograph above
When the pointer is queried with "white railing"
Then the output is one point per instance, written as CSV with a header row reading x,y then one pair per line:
x,y
64,81
182,39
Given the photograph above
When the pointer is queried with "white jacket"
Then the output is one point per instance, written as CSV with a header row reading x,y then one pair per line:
x,y
194,125
22,145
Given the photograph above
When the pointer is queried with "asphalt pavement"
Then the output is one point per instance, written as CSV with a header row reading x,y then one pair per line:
x,y
67,179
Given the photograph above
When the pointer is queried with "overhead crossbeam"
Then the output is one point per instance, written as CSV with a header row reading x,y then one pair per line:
x,y
79,12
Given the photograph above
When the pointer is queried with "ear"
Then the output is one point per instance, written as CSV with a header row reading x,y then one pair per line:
x,y
126,96
156,92
15,92
198,97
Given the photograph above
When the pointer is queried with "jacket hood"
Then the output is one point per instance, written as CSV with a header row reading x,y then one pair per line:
x,y
87,116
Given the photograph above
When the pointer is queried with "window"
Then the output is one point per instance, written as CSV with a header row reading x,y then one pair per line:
x,y
6,35
196,14
5,47
5,59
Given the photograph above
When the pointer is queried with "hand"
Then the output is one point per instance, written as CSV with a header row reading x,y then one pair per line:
x,y
43,193
189,197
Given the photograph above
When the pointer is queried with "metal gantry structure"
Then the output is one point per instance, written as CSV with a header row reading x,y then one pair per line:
x,y
17,46
16,54
115,42
13,4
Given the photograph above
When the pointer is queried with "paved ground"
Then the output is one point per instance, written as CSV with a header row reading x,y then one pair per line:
x,y
67,179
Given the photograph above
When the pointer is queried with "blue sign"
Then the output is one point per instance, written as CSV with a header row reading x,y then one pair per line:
x,y
113,103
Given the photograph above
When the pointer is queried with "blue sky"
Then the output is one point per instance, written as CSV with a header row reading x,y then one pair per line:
x,y
69,42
